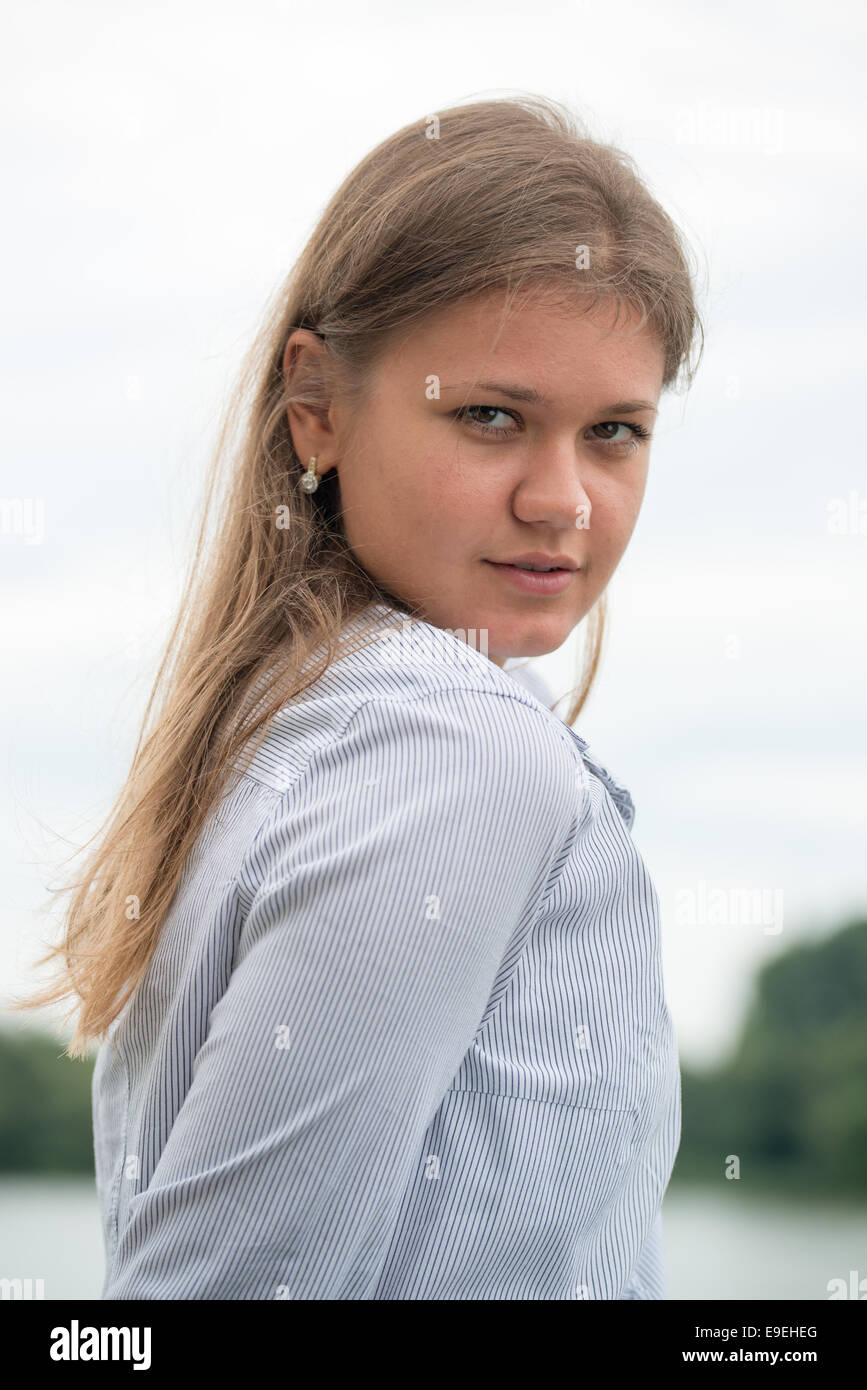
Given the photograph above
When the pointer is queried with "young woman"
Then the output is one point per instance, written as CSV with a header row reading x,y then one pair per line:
x,y
373,959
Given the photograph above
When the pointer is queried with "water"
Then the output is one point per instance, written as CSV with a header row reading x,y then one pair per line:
x,y
50,1230
717,1245
728,1245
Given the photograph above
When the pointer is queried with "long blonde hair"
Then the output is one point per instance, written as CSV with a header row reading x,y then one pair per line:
x,y
491,194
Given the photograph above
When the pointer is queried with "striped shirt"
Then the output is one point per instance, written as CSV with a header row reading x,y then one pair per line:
x,y
404,1034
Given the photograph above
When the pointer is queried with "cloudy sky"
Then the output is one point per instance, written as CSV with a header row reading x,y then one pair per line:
x,y
163,166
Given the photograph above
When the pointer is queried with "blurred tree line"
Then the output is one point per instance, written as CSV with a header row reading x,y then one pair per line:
x,y
45,1114
790,1101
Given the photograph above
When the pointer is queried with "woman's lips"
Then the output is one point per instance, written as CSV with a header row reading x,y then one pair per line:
x,y
532,582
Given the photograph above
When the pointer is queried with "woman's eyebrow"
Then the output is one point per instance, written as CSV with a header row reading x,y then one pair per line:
x,y
533,397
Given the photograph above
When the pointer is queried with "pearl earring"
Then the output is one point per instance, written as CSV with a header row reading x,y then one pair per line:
x,y
310,482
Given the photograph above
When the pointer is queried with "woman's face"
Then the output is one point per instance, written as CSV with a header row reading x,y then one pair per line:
x,y
435,506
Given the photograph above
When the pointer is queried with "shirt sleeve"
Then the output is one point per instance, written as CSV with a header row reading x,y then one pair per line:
x,y
384,892
647,1280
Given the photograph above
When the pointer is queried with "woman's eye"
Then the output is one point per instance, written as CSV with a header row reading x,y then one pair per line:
x,y
468,412
610,425
635,432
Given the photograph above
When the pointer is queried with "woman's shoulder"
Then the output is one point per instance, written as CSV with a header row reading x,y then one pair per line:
x,y
408,686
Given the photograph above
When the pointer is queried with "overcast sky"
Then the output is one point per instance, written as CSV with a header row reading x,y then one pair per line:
x,y
163,164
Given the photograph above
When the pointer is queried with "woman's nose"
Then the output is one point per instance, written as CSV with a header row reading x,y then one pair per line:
x,y
552,490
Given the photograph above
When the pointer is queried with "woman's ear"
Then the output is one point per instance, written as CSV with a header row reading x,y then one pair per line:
x,y
309,411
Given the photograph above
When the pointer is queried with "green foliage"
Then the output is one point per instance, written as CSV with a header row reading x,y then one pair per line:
x,y
45,1109
791,1102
